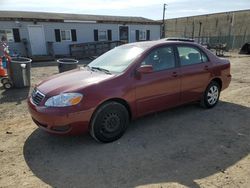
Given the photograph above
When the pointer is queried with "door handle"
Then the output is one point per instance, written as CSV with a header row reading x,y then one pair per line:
x,y
206,67
174,74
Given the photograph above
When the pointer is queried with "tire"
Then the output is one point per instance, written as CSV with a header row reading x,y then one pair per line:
x,y
7,85
109,122
211,95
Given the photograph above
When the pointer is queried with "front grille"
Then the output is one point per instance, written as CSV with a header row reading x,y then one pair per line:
x,y
37,96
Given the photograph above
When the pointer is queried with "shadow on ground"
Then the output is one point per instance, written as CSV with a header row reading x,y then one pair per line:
x,y
179,145
14,95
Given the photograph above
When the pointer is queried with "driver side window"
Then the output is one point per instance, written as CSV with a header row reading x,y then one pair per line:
x,y
161,59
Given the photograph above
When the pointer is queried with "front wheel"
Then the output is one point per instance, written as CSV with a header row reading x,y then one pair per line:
x,y
5,80
7,85
211,95
109,122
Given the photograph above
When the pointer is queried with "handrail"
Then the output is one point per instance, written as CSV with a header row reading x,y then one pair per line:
x,y
90,49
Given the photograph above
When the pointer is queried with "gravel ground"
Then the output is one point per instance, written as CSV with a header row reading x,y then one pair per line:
x,y
183,147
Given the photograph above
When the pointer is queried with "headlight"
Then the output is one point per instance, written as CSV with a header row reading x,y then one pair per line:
x,y
64,99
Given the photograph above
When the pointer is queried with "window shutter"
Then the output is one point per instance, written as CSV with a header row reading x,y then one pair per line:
x,y
57,35
110,35
73,35
16,35
137,35
148,34
95,35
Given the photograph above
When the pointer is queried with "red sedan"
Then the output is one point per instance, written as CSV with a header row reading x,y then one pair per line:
x,y
125,83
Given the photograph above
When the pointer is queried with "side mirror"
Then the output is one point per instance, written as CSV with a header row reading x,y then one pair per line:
x,y
145,69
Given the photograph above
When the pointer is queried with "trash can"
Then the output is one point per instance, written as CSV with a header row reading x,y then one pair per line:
x,y
19,71
66,64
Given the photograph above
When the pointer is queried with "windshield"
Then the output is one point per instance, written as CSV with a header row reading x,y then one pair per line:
x,y
117,59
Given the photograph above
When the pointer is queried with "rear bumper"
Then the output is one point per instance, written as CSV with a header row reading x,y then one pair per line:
x,y
60,120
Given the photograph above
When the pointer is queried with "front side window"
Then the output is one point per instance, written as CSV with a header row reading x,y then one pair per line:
x,y
161,59
65,35
190,55
8,34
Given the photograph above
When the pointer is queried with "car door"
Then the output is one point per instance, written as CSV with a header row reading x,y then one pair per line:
x,y
195,70
159,89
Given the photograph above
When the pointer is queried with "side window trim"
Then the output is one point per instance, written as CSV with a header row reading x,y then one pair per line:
x,y
204,54
177,57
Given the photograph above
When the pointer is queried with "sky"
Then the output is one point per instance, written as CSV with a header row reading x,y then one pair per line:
x,y
152,9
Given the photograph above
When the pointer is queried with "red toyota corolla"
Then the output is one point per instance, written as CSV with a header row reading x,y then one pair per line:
x,y
125,83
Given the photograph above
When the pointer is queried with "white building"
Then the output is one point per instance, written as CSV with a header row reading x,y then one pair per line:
x,y
33,33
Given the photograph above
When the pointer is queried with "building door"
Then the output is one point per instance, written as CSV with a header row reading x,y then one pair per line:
x,y
123,34
37,40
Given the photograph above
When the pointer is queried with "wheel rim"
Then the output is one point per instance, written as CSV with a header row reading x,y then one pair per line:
x,y
212,95
7,86
111,123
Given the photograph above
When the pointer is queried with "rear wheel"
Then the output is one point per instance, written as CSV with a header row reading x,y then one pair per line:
x,y
109,122
211,95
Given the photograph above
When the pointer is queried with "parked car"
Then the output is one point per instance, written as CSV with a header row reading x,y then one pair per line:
x,y
125,83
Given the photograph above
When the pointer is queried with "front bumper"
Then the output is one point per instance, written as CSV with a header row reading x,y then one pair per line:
x,y
62,121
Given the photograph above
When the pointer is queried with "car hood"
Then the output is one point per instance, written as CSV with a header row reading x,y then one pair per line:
x,y
71,81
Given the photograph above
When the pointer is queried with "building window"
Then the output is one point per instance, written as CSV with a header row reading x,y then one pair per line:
x,y
66,35
8,33
142,35
102,35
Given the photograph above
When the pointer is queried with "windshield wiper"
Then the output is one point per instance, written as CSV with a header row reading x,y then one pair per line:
x,y
101,69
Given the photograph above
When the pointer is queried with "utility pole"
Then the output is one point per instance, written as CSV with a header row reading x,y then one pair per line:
x,y
163,21
200,32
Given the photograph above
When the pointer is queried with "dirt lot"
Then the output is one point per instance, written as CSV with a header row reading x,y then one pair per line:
x,y
183,147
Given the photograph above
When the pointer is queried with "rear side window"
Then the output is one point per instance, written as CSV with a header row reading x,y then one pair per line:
x,y
161,59
190,56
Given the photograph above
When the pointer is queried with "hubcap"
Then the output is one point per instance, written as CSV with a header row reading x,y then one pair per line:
x,y
111,122
7,86
212,95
